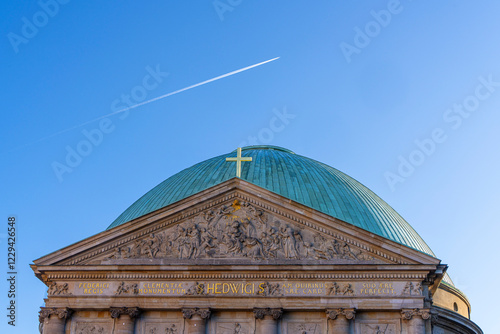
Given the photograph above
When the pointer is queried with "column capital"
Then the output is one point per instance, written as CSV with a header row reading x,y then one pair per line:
x,y
132,312
276,313
188,313
61,313
348,313
409,313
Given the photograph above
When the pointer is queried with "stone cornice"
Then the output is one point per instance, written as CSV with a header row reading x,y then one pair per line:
x,y
453,321
453,290
227,276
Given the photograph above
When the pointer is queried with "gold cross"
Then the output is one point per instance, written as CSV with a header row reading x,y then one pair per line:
x,y
238,160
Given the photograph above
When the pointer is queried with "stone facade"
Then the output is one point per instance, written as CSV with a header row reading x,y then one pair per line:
x,y
236,258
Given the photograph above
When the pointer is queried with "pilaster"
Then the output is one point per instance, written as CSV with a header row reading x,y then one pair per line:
x,y
196,319
415,320
53,319
340,320
124,319
267,320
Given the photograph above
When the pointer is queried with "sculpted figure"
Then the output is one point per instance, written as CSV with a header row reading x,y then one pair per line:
x,y
209,216
234,237
226,210
90,329
266,245
334,289
308,250
182,239
300,244
289,246
333,248
124,252
253,248
275,241
58,289
116,254
64,289
377,330
248,228
194,241
346,252
151,246
136,250
156,243
171,330
206,241
122,288
165,246
320,249
407,289
418,289
196,289
348,290
269,289
52,288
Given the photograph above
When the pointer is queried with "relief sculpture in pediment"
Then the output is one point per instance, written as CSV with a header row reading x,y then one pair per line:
x,y
238,231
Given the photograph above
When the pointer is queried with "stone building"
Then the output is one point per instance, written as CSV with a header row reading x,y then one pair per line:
x,y
291,246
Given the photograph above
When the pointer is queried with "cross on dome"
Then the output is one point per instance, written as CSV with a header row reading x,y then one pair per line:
x,y
238,160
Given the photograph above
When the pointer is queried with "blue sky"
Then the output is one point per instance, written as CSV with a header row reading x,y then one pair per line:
x,y
382,106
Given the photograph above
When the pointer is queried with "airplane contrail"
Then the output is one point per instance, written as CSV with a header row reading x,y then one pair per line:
x,y
149,101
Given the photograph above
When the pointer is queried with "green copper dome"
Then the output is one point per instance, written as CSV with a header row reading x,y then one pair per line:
x,y
295,177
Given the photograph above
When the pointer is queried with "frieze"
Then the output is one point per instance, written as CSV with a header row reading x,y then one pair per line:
x,y
239,231
360,250
242,287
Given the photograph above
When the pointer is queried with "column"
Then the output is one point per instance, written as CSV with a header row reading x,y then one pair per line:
x,y
267,320
196,319
124,319
53,320
415,319
340,320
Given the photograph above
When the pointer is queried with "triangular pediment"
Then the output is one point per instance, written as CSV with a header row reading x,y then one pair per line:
x,y
239,223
